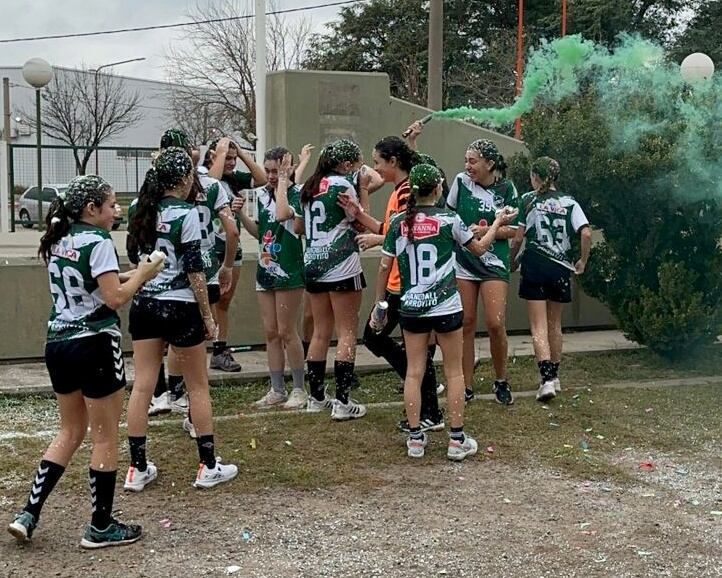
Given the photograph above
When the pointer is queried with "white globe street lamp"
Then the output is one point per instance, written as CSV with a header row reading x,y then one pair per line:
x,y
38,73
697,66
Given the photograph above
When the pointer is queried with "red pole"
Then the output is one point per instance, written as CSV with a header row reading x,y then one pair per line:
x,y
519,63
564,18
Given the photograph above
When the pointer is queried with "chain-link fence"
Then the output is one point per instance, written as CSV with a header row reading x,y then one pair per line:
x,y
122,167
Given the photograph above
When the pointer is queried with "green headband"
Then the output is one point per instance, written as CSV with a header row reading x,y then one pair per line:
x,y
83,190
486,149
175,137
546,168
342,150
424,177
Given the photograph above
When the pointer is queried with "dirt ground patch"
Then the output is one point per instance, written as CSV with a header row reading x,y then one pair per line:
x,y
562,494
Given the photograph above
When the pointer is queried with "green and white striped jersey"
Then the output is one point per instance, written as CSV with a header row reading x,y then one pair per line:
x,y
209,205
426,265
477,205
77,260
550,220
178,226
240,180
331,251
280,252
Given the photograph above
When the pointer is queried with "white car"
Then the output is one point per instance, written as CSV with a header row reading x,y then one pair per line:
x,y
26,207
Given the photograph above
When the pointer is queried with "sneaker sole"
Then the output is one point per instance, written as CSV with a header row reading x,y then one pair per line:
x,y
88,545
225,369
415,455
461,457
19,532
347,417
159,412
292,407
500,402
140,488
213,484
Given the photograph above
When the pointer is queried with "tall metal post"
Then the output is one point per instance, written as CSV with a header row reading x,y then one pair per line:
x,y
436,55
260,78
519,63
6,193
39,141
564,18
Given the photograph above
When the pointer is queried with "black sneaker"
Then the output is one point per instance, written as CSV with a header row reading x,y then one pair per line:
x,y
433,423
116,534
502,391
468,395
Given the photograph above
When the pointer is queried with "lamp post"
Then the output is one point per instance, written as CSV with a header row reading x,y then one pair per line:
x,y
95,71
38,73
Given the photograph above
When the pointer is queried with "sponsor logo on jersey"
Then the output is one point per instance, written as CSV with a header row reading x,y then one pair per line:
x,y
163,227
424,227
552,207
323,187
70,254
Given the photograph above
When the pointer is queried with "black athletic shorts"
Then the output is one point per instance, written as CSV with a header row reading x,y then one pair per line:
x,y
544,280
214,294
351,284
179,323
94,365
439,323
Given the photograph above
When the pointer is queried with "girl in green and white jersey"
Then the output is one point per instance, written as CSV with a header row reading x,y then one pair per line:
x,y
83,353
279,276
334,278
172,309
423,239
475,195
549,219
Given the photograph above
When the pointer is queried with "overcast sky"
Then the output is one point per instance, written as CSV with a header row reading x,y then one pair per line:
x,y
22,18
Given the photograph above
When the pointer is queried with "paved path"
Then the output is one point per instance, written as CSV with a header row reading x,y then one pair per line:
x,y
32,378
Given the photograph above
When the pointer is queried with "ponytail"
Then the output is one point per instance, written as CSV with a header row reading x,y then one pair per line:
x,y
324,167
142,229
57,225
410,216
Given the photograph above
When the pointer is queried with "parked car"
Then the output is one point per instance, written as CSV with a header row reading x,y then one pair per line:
x,y
26,206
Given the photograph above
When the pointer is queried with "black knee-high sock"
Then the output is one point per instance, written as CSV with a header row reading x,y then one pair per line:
x,y
429,397
160,385
46,477
546,370
316,376
555,369
207,451
343,371
219,347
306,345
102,492
175,385
137,453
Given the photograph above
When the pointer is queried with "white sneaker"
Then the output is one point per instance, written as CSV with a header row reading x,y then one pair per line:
x,y
557,385
546,391
180,405
345,411
440,387
296,400
458,451
208,478
136,481
416,448
270,399
315,406
160,404
190,428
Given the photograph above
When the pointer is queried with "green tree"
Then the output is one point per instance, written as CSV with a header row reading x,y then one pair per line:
x,y
703,34
659,268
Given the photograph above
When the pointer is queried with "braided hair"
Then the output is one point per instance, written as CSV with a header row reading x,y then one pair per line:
x,y
331,157
68,208
423,179
172,166
547,169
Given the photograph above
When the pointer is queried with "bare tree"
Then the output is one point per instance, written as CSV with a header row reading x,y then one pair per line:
x,y
83,109
213,67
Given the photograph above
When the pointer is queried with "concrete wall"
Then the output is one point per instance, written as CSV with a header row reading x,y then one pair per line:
x,y
26,305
